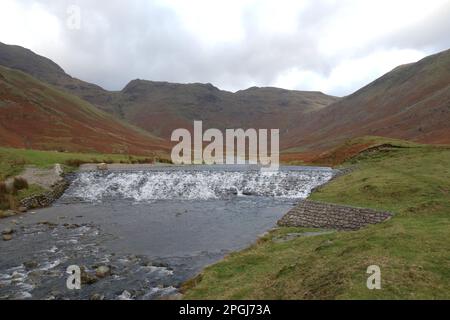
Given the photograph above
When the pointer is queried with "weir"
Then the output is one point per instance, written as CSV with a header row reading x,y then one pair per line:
x,y
196,183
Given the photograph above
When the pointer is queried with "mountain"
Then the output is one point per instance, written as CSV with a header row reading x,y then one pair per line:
x,y
412,102
44,69
39,116
161,107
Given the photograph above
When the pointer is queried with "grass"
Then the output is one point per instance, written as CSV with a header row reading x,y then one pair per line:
x,y
412,249
13,161
32,189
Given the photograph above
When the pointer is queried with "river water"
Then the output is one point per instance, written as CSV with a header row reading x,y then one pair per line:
x,y
154,228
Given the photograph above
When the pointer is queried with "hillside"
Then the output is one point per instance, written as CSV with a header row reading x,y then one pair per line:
x,y
411,102
35,115
161,107
44,69
412,248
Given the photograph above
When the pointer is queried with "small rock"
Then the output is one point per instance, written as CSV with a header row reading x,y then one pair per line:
x,y
97,296
56,294
125,295
35,276
102,271
49,224
71,226
7,237
30,265
7,213
9,185
160,265
22,209
145,262
102,166
86,277
58,169
8,231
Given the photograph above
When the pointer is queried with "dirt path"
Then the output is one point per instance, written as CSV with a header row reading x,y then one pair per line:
x,y
45,178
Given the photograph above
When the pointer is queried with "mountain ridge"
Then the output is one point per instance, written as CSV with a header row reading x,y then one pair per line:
x,y
410,102
174,105
38,116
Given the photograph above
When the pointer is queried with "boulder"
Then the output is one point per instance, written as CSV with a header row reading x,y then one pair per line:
x,y
97,296
22,209
7,237
102,271
58,169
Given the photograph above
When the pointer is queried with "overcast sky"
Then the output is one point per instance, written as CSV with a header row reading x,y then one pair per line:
x,y
333,46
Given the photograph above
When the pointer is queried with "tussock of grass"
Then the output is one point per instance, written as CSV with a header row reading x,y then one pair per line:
x,y
412,248
20,183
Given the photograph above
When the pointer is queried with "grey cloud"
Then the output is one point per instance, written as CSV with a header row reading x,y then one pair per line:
x,y
120,41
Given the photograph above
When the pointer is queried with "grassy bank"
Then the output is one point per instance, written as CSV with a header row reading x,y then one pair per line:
x,y
13,161
412,249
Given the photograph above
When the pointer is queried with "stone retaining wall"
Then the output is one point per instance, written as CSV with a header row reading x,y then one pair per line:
x,y
45,199
314,214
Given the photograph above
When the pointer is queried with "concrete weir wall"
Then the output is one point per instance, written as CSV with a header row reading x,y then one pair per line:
x,y
313,214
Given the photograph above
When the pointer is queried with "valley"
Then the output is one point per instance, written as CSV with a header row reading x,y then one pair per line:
x,y
210,232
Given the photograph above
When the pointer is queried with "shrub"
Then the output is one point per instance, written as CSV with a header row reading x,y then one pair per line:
x,y
163,160
2,188
20,183
146,160
4,204
75,162
18,162
12,202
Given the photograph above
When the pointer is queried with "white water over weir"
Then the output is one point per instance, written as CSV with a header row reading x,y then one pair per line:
x,y
192,183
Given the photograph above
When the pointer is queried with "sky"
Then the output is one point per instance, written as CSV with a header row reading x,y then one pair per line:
x,y
333,46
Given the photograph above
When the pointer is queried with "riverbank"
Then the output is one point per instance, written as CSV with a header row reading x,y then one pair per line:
x,y
412,248
43,173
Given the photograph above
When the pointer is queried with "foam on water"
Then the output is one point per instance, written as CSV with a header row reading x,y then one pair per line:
x,y
192,184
